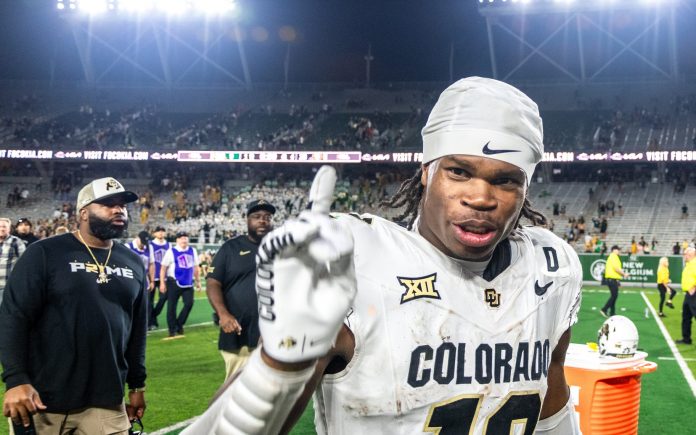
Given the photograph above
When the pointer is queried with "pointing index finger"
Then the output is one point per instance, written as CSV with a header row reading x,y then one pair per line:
x,y
321,192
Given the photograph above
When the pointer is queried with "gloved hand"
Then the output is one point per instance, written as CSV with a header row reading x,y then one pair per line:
x,y
305,279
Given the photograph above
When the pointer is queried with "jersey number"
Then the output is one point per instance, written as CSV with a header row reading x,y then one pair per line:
x,y
456,416
551,258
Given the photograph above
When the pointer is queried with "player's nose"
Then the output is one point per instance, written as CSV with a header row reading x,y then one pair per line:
x,y
478,194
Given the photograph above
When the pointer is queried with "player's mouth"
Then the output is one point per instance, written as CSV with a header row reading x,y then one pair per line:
x,y
476,234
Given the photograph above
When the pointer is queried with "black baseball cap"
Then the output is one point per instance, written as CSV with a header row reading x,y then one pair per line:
x,y
615,247
144,237
260,204
159,228
181,234
24,221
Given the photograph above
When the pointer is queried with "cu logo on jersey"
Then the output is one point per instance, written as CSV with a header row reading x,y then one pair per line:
x,y
491,297
417,288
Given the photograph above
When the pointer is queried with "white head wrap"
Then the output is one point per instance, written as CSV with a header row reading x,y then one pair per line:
x,y
487,118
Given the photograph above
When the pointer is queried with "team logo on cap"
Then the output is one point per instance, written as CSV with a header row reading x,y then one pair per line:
x,y
112,184
489,152
417,288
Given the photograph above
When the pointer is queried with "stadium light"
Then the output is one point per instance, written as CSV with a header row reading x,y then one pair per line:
x,y
141,7
93,7
215,7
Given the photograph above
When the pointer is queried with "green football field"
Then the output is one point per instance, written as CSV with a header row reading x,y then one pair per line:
x,y
184,373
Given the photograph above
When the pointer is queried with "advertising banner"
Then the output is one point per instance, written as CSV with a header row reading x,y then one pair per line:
x,y
642,268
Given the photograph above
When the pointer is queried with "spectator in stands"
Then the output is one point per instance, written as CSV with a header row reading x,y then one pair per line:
x,y
613,273
634,246
60,230
23,230
178,276
603,226
11,247
676,249
231,291
688,283
603,249
685,211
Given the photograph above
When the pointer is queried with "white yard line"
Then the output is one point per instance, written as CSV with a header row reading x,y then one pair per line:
x,y
673,347
187,326
179,425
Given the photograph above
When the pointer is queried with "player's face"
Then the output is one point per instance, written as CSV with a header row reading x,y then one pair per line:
x,y
470,204
259,223
107,220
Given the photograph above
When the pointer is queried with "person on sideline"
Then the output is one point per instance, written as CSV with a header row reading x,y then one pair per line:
x,y
688,284
73,324
139,245
178,275
613,273
158,247
231,290
11,247
663,284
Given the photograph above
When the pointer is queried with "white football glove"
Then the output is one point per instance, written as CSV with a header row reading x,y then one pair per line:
x,y
305,279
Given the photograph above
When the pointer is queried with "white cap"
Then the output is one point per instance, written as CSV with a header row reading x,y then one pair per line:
x,y
101,189
487,118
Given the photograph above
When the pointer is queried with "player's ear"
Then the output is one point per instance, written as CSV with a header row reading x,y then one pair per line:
x,y
424,175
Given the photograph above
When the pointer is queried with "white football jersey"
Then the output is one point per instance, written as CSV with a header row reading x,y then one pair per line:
x,y
439,349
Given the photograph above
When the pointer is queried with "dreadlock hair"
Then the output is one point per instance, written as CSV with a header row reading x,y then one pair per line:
x,y
536,217
410,195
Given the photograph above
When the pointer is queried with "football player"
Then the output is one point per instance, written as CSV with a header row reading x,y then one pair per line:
x,y
457,324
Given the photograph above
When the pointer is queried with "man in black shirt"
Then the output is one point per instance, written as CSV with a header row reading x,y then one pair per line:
x,y
73,324
231,291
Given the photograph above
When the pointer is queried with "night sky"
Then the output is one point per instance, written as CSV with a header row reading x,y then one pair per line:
x,y
410,39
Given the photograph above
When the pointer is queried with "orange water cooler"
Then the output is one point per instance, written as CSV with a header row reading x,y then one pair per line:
x,y
606,390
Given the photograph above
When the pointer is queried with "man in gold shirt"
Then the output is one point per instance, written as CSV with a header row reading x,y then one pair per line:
x,y
612,275
688,284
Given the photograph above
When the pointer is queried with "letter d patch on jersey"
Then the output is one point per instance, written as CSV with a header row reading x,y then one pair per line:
x,y
416,288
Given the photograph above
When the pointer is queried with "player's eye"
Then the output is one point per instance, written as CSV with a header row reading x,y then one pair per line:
x,y
503,181
458,172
